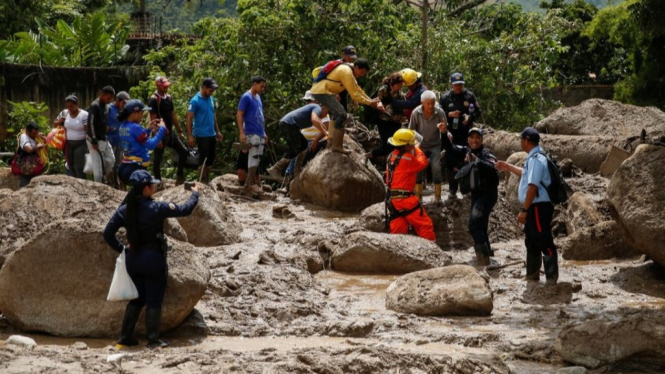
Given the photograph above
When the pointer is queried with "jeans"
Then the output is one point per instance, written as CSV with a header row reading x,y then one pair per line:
x,y
76,150
336,110
294,139
434,156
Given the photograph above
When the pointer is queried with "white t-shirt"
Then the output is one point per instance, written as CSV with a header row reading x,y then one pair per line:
x,y
26,140
76,126
311,133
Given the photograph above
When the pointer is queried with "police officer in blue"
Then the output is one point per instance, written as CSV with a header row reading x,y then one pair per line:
x,y
143,219
462,110
135,140
537,208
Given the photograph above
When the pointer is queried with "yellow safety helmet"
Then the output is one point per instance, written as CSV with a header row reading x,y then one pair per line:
x,y
410,76
403,137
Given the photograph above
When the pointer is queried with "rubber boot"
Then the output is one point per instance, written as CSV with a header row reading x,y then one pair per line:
x,y
250,183
533,262
419,191
437,193
276,170
551,269
482,254
152,319
338,141
127,339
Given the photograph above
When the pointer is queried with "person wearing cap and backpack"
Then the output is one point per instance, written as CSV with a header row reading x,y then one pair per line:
x,y
484,196
202,125
537,208
403,208
135,140
146,255
113,135
462,109
161,107
330,83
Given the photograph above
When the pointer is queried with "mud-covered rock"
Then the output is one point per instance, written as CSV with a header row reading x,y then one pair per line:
x,y
8,180
452,290
582,212
607,117
586,152
513,181
339,182
58,282
379,253
451,223
227,183
598,343
637,200
211,223
599,242
373,218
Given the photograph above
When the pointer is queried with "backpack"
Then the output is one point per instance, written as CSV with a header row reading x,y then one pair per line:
x,y
324,70
558,190
469,178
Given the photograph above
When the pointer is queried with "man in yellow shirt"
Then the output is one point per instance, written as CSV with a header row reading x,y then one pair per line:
x,y
343,77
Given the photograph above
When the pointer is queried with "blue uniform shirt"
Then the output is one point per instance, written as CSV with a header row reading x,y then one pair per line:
x,y
302,117
112,135
204,115
254,123
535,172
151,220
136,142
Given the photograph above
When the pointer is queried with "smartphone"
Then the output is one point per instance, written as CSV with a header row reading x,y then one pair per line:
x,y
188,185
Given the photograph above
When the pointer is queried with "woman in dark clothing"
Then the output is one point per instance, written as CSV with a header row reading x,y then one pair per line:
x,y
485,197
392,119
143,218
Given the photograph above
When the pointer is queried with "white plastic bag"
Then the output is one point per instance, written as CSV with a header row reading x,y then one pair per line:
x,y
88,167
122,287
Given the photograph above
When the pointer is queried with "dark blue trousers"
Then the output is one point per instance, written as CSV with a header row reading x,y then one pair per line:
x,y
149,271
479,219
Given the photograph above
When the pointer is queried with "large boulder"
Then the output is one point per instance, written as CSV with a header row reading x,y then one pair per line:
x,y
586,152
339,182
513,182
607,117
599,343
379,253
598,242
211,223
582,212
453,290
53,197
637,200
58,282
8,180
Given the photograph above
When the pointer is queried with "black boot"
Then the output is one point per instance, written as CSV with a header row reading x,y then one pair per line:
x,y
482,254
152,319
127,338
533,262
551,269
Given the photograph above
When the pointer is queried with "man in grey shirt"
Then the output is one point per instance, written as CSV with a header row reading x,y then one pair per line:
x,y
425,120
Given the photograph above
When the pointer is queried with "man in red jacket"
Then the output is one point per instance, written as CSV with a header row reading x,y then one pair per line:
x,y
403,165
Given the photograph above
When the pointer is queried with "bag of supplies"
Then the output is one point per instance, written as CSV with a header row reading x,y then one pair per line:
x,y
122,287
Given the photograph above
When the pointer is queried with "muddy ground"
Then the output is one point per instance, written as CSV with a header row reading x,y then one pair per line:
x,y
264,312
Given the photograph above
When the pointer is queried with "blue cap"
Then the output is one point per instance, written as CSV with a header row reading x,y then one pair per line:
x,y
531,135
134,105
142,177
457,78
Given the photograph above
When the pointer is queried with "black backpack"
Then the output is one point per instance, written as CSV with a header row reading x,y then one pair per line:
x,y
558,190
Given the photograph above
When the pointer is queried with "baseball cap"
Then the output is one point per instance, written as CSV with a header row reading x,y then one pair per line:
x,y
457,78
531,135
142,177
350,51
210,83
135,105
476,130
162,81
308,96
122,95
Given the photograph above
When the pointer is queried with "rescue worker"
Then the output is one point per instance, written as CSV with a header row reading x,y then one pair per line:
x,y
413,80
143,219
483,199
135,140
537,208
462,109
403,206
425,120
343,77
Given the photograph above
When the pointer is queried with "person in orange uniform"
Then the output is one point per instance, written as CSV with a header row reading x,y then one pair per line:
x,y
403,165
